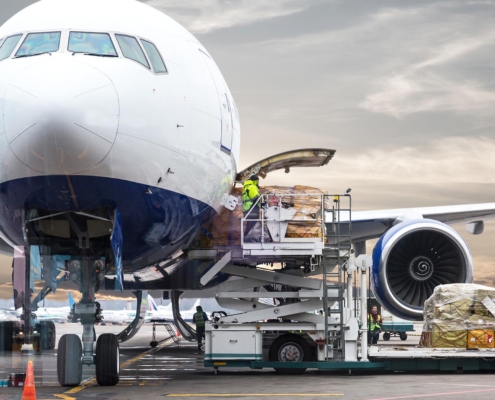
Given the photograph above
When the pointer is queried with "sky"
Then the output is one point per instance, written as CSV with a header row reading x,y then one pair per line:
x,y
403,90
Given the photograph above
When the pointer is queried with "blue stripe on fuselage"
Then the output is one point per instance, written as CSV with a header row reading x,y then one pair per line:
x,y
154,225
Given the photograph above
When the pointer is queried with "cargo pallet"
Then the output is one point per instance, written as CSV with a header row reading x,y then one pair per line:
x,y
307,303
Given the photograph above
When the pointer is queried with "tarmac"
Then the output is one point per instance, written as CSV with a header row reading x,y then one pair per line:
x,y
176,371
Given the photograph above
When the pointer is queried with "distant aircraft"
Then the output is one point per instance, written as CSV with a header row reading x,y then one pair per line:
x,y
115,317
159,312
119,136
8,316
55,314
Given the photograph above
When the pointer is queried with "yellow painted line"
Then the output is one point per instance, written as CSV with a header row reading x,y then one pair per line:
x,y
92,381
84,385
64,396
254,394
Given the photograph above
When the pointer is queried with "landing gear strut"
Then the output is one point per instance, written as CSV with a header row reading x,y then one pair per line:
x,y
72,355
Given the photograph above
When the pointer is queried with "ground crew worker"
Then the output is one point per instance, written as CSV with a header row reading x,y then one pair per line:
x,y
199,319
250,196
375,322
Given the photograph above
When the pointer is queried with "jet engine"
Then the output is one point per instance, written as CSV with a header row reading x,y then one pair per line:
x,y
414,257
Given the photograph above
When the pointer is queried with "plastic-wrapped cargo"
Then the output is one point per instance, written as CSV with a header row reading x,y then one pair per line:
x,y
455,310
480,339
225,229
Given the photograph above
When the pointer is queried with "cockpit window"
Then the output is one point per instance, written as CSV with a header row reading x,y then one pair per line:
x,y
154,56
131,49
8,46
39,43
91,43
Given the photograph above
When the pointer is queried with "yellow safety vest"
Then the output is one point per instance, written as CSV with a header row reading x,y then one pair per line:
x,y
249,195
374,325
199,319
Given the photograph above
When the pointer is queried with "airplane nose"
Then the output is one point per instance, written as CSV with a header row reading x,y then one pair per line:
x,y
61,116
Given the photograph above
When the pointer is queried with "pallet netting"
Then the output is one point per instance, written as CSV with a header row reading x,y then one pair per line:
x,y
453,311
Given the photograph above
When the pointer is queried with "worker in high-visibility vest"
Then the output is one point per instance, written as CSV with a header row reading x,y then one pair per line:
x,y
375,322
250,206
199,318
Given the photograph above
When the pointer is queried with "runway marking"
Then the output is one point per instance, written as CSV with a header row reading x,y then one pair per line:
x,y
92,381
415,396
253,394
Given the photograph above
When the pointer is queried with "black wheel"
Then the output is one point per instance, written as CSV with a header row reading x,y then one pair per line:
x,y
403,336
6,335
386,336
107,360
47,335
69,365
154,343
290,348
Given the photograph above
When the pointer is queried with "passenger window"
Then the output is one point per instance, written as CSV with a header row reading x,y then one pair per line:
x,y
39,43
154,56
92,43
131,49
8,46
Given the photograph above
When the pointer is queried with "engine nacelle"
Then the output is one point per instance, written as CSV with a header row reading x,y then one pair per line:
x,y
414,257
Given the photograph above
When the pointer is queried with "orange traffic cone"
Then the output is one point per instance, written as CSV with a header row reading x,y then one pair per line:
x,y
29,392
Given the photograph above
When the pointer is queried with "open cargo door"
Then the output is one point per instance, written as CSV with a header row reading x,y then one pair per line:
x,y
287,160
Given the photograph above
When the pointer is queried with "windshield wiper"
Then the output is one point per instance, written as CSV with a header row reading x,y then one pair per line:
x,y
99,55
32,55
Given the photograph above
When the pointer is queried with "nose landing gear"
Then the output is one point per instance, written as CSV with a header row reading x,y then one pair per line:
x,y
73,354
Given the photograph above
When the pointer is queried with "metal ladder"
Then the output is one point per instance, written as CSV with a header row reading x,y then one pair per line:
x,y
172,331
337,248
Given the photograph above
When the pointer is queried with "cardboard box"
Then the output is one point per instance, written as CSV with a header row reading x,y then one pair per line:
x,y
442,337
480,339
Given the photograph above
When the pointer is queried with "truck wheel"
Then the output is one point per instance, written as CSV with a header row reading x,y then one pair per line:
x,y
69,363
403,336
107,360
6,335
290,348
386,336
47,335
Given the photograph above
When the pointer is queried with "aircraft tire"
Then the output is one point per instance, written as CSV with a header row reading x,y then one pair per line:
x,y
293,343
107,360
69,362
6,335
47,335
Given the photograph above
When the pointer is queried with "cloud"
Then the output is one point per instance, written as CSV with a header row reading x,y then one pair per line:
x,y
448,160
203,16
408,59
425,86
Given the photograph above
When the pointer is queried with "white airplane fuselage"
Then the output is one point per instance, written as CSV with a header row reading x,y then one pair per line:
x,y
79,131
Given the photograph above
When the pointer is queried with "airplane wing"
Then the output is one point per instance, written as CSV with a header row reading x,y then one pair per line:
x,y
372,224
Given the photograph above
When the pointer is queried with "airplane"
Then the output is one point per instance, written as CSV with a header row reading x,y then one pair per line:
x,y
115,317
118,137
7,316
55,314
159,312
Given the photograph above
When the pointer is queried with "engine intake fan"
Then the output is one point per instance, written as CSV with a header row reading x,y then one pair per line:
x,y
414,257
